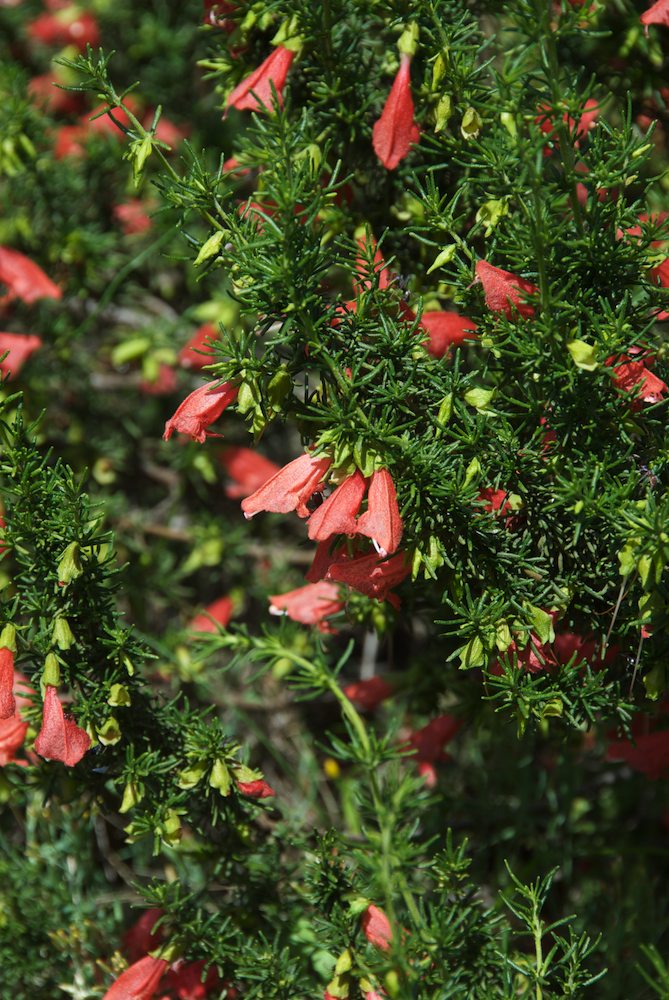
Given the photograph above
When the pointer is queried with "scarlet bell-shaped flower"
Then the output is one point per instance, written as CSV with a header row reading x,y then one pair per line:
x,y
184,980
290,488
429,743
381,521
195,354
370,575
24,279
60,738
258,789
376,927
634,375
310,604
141,937
133,218
247,469
368,694
396,131
446,330
199,410
658,13
505,292
255,91
12,735
140,981
337,514
20,347
220,611
7,699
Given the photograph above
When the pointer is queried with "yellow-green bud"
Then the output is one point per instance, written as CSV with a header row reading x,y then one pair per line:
x,y
471,124
50,672
69,566
210,247
109,732
62,634
407,43
132,795
443,112
220,778
118,696
191,776
8,637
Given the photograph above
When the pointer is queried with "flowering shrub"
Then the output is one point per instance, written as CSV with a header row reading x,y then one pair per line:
x,y
333,465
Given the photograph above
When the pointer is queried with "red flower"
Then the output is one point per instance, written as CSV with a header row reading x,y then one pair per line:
x,y
290,488
633,375
220,611
371,576
132,217
657,14
20,347
7,699
70,141
505,292
255,91
141,938
337,514
494,501
164,384
376,927
215,14
648,754
429,743
310,604
368,694
51,29
255,789
60,738
140,981
24,279
396,131
184,979
12,735
199,410
44,91
381,521
361,281
445,330
190,355
248,469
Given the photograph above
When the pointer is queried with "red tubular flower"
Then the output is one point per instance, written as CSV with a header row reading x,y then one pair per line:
x,y
12,735
290,488
141,937
381,521
199,410
184,980
24,279
361,281
220,611
429,743
190,355
164,384
371,576
7,699
255,91
52,29
69,141
60,738
44,91
505,292
446,330
140,981
634,375
337,515
248,469
396,131
648,754
376,927
657,14
255,789
310,604
132,217
20,347
369,694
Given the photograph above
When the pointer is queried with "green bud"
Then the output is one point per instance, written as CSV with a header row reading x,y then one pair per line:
x,y
138,152
445,409
50,672
170,828
445,257
62,634
473,471
8,637
288,35
119,696
471,124
244,773
109,732
490,213
280,386
191,776
344,963
130,350
439,69
509,123
583,354
210,247
69,567
220,778
472,654
128,664
480,399
392,984
132,795
408,40
442,112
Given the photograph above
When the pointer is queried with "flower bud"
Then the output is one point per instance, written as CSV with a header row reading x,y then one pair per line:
x,y
109,733
132,795
8,638
220,778
118,695
69,567
50,672
62,634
